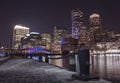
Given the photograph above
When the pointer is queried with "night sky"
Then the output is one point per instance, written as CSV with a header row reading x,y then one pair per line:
x,y
42,15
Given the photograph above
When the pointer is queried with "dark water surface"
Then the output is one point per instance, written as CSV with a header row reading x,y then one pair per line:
x,y
106,66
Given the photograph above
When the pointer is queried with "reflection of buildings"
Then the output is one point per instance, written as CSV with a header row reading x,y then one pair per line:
x,y
46,40
18,33
31,40
59,33
69,45
77,22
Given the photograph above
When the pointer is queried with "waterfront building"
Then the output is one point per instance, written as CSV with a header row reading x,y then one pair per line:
x,y
59,33
117,37
111,34
77,22
18,32
33,39
46,40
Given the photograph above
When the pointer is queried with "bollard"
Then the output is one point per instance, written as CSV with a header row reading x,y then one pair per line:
x,y
65,61
46,59
84,75
84,57
40,58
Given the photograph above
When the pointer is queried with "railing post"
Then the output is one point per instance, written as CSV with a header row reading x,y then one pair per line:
x,y
84,63
65,61
46,59
40,57
84,57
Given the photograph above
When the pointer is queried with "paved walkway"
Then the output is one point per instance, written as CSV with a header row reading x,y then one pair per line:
x,y
30,71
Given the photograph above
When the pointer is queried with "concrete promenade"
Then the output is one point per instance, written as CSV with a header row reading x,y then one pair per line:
x,y
29,71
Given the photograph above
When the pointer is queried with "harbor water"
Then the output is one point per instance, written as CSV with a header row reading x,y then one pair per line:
x,y
107,66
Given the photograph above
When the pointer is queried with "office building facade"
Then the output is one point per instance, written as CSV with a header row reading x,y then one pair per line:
x,y
31,40
59,33
18,33
77,22
95,30
95,21
46,40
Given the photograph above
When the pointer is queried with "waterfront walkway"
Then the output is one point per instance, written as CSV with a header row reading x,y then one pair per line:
x,y
20,70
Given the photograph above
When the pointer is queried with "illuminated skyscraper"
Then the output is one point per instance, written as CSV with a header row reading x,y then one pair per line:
x,y
77,22
95,21
18,33
95,28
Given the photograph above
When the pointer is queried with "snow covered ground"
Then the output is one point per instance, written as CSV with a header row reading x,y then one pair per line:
x,y
30,71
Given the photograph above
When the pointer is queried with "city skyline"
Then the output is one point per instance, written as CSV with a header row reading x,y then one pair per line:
x,y
41,16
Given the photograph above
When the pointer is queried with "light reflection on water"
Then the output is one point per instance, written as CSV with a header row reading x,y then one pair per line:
x,y
106,66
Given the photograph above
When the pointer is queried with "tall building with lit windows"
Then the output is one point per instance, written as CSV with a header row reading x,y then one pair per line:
x,y
95,30
95,21
31,40
77,22
59,33
83,35
46,40
18,33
